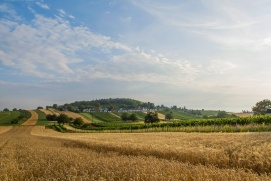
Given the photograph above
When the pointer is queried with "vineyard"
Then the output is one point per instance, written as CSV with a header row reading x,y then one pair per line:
x,y
91,118
106,117
240,124
140,115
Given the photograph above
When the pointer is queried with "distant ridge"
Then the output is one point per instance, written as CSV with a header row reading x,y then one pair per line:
x,y
110,103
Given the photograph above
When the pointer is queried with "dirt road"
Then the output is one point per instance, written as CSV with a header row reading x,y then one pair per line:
x,y
32,120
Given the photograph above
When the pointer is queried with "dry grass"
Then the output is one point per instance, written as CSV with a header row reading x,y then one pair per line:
x,y
32,120
75,115
46,112
56,156
53,111
4,129
243,114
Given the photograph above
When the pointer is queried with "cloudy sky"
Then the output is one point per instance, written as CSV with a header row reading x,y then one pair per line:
x,y
196,53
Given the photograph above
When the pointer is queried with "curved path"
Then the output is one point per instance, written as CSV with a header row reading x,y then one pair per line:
x,y
32,121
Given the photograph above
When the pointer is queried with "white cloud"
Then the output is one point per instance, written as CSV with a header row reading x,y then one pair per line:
x,y
63,14
44,6
4,8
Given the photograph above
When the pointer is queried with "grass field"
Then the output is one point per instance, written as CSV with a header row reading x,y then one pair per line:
x,y
106,117
41,118
91,118
181,115
7,117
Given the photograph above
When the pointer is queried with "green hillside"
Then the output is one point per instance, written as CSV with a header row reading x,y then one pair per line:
x,y
110,104
180,115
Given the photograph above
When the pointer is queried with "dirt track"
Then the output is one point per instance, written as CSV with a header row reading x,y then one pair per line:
x,y
32,120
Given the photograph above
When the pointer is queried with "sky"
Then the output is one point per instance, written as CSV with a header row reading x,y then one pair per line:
x,y
202,54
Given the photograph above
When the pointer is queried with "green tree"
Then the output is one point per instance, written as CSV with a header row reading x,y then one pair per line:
x,y
78,121
55,106
40,107
125,116
222,114
261,107
133,117
6,110
169,116
51,117
15,109
63,119
151,117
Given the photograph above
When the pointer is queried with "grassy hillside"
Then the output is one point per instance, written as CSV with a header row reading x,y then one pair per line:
x,y
140,115
7,117
106,117
111,104
42,118
209,112
91,118
180,115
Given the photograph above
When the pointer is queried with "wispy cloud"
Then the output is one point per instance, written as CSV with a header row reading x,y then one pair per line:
x,y
63,14
52,48
11,13
42,5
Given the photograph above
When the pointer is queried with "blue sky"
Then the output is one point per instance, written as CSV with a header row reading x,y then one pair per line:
x,y
199,54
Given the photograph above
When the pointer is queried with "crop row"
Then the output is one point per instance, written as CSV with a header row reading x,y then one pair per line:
x,y
107,117
241,121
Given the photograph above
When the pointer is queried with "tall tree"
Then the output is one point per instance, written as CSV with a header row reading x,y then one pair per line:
x,y
151,117
261,107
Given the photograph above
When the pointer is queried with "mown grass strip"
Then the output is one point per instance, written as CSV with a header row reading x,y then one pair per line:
x,y
91,117
6,120
42,121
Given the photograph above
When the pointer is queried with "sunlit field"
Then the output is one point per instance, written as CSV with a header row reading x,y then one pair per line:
x,y
35,153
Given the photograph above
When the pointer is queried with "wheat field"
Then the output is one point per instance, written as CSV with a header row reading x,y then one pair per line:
x,y
55,156
36,153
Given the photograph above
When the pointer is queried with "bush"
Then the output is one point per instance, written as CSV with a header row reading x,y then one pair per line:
x,y
78,122
51,117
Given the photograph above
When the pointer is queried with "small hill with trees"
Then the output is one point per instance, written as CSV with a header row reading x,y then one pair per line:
x,y
109,104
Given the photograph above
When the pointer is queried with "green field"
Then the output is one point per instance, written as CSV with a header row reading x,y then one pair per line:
x,y
7,117
140,115
180,115
106,117
209,112
42,118
92,118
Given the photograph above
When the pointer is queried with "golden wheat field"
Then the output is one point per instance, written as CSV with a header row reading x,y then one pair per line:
x,y
35,153
46,111
69,113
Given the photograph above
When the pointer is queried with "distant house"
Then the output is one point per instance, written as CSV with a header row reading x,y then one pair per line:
x,y
268,112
